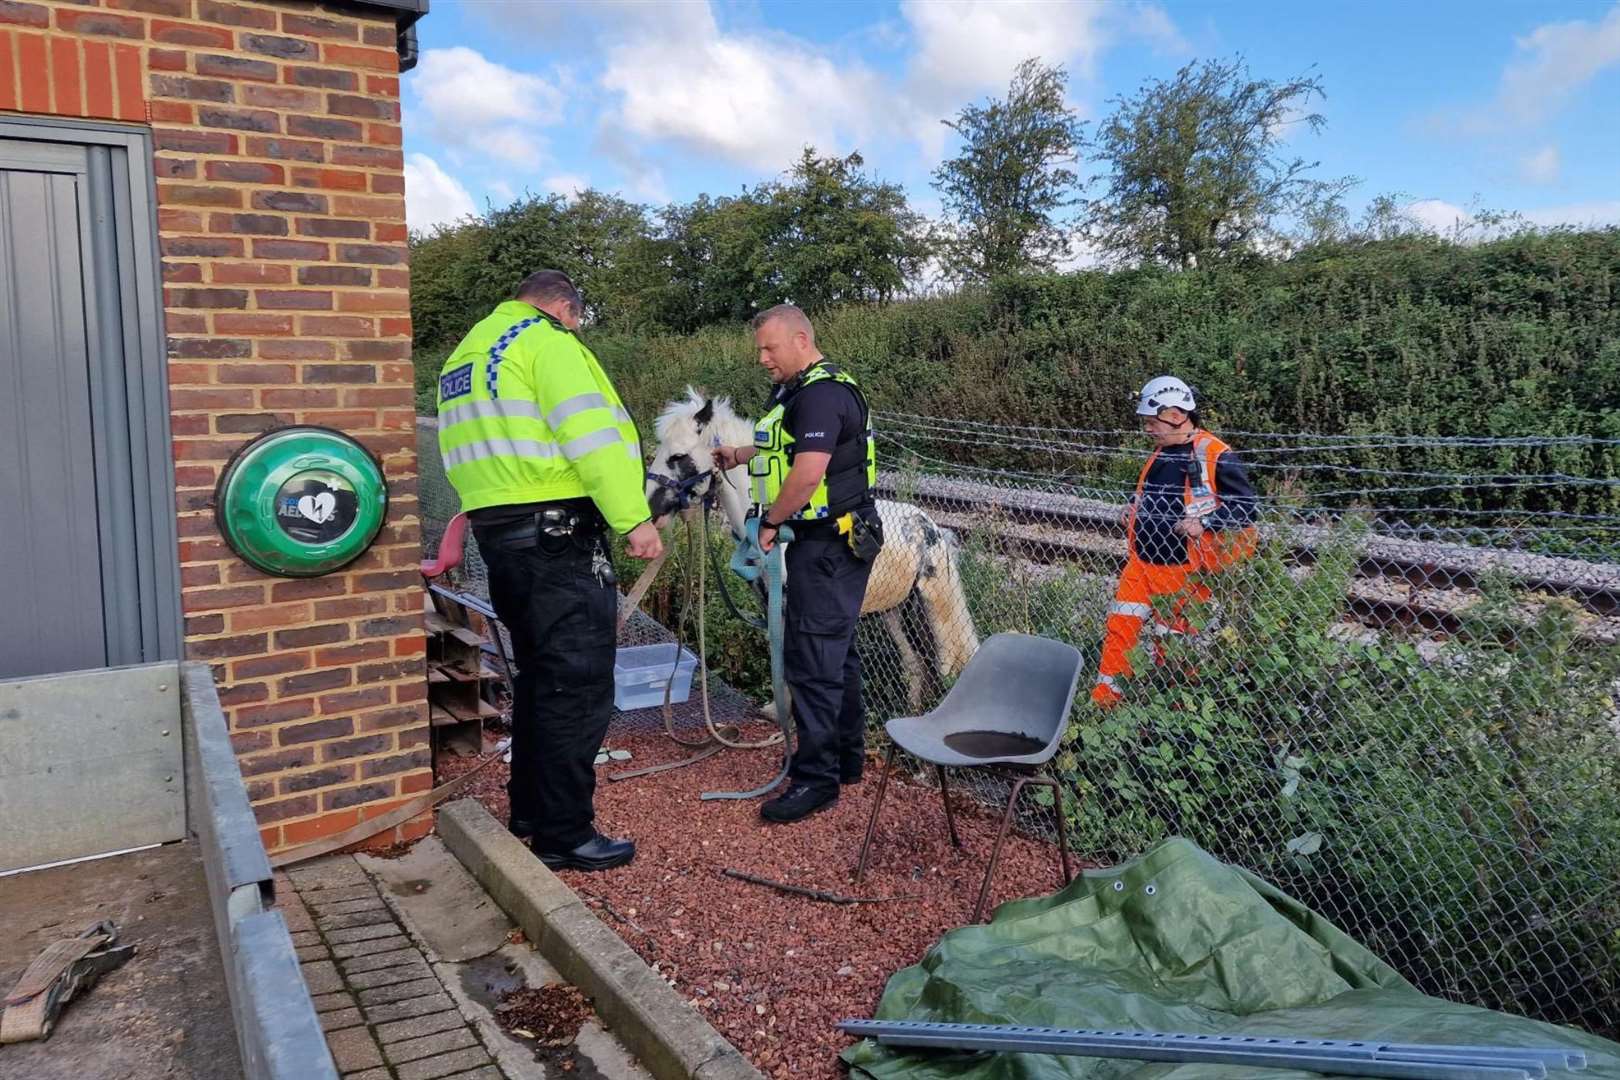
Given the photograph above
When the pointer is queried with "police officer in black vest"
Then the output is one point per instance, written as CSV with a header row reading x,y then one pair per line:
x,y
813,465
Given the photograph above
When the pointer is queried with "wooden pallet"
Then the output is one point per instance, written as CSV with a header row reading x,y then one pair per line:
x,y
462,687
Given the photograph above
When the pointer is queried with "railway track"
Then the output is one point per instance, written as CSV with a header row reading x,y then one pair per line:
x,y
1400,583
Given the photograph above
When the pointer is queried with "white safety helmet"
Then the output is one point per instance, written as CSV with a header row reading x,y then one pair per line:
x,y
1165,392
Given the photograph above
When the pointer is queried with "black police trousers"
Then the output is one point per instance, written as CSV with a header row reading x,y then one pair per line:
x,y
825,586
561,616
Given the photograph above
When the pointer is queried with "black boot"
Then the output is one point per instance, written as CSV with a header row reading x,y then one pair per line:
x,y
849,769
799,802
598,853
520,828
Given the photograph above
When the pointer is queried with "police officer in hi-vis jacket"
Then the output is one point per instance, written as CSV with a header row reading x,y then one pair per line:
x,y
546,460
813,467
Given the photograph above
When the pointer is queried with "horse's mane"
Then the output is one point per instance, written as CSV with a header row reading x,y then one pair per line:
x,y
680,415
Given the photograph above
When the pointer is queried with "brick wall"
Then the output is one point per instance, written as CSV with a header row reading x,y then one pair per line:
x,y
282,224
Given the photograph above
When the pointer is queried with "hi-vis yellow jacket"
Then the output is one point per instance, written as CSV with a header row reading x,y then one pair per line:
x,y
526,414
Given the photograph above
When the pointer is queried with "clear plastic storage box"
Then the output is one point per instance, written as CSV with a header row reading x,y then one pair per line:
x,y
640,673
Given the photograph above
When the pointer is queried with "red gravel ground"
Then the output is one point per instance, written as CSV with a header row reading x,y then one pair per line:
x,y
774,972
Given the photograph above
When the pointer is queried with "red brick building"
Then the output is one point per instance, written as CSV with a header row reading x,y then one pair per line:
x,y
202,237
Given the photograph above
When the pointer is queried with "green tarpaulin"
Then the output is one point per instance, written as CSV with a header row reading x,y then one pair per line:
x,y
1173,941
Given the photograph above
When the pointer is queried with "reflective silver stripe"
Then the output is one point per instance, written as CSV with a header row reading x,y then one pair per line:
x,y
620,415
488,448
1201,448
576,404
488,410
1159,629
1121,607
1106,680
574,449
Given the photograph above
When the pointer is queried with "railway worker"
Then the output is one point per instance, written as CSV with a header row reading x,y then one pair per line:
x,y
813,465
1193,512
538,445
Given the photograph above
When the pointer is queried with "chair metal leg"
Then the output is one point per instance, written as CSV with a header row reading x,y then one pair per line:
x,y
1062,826
877,804
945,797
995,852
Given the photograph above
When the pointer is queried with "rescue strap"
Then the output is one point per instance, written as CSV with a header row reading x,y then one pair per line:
x,y
67,966
397,816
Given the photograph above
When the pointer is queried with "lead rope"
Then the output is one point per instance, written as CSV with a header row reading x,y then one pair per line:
x,y
718,736
728,734
773,566
669,684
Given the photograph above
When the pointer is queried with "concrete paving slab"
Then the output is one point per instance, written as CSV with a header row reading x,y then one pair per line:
x,y
440,901
418,1026
388,976
353,1049
478,986
418,957
321,874
354,965
371,917
443,1064
370,947
326,899
382,995
402,1010
339,1019
443,1042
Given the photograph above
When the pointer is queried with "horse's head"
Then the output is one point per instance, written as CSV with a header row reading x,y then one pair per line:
x,y
682,470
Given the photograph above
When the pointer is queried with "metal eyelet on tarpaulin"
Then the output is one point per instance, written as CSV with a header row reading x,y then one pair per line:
x,y
301,501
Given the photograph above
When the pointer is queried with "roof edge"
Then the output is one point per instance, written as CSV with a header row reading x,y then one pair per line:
x,y
406,15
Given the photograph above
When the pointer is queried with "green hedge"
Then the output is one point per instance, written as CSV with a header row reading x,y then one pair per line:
x,y
1516,337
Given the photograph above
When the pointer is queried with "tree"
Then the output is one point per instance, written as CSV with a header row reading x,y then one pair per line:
x,y
826,233
1197,169
840,236
1006,191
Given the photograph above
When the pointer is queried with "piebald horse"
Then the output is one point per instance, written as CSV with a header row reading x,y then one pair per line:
x,y
917,557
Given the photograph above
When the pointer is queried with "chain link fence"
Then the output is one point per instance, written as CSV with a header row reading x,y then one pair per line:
x,y
1401,708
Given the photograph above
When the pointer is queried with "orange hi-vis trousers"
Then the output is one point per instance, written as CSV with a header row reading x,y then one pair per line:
x,y
1139,583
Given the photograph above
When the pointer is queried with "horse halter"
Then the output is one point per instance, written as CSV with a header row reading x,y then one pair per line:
x,y
683,491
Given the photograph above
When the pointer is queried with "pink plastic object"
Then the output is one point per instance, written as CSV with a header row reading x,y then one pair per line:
x,y
450,549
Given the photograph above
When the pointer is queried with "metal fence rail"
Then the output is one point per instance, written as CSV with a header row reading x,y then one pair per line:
x,y
1406,717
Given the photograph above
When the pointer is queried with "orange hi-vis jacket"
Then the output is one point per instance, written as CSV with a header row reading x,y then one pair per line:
x,y
1142,579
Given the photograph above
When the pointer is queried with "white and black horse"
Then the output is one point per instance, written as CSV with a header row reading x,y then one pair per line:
x,y
918,557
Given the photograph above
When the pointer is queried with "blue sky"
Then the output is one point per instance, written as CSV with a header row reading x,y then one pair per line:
x,y
1456,105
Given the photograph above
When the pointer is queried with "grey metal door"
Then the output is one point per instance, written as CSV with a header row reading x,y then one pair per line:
x,y
86,518
52,618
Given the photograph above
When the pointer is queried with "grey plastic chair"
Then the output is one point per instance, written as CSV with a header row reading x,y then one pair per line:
x,y
1007,711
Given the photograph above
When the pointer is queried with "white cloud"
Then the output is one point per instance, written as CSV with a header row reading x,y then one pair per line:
x,y
1554,61
475,104
1153,23
1439,216
649,186
1541,167
753,100
1580,215
432,196
965,49
1453,222
565,184
967,46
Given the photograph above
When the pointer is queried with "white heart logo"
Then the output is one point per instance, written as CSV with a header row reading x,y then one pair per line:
x,y
318,508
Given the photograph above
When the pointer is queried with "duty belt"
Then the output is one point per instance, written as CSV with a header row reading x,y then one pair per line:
x,y
556,519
